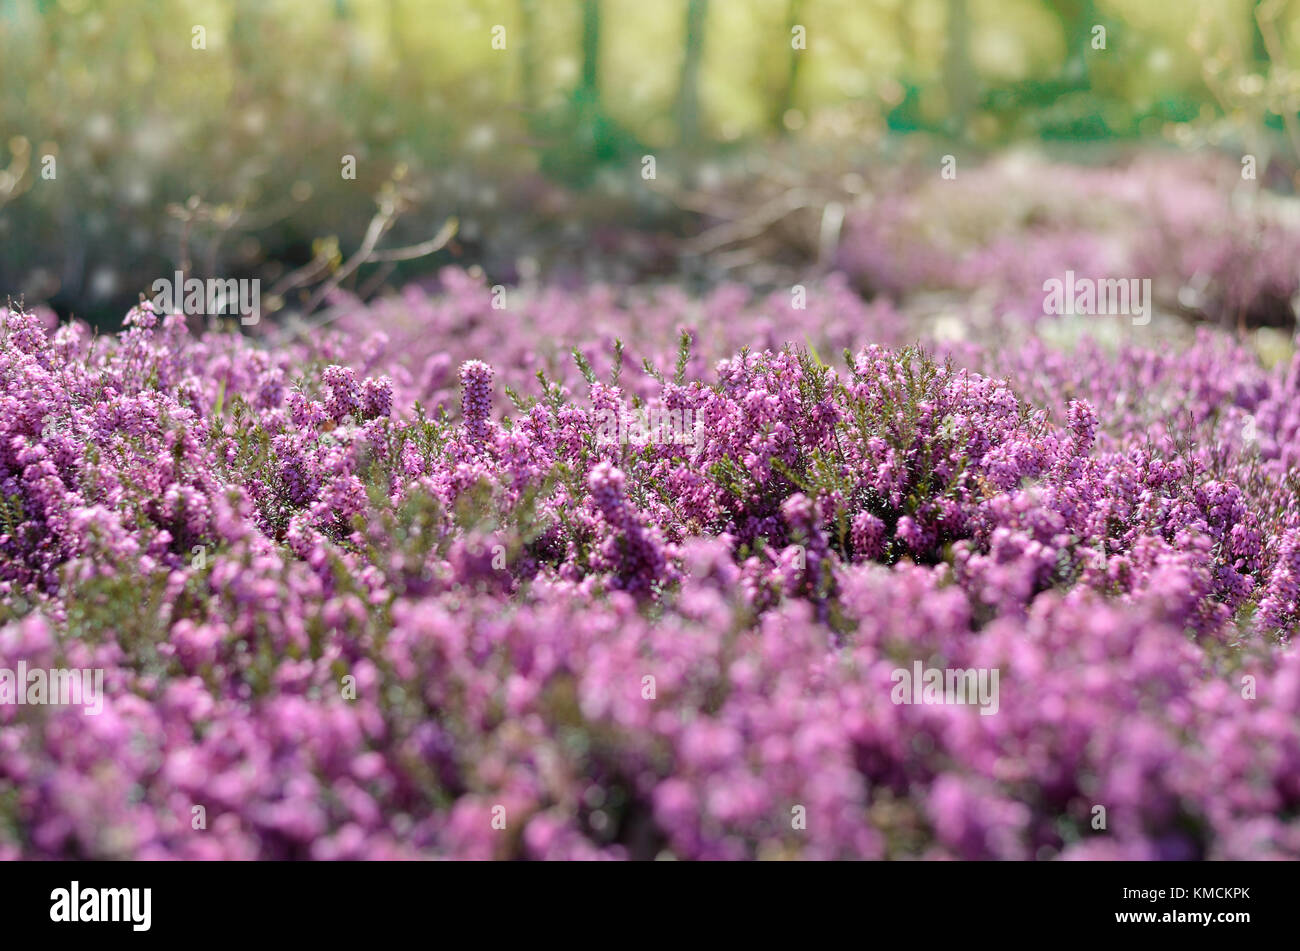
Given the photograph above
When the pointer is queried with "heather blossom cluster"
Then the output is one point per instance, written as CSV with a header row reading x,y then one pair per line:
x,y
343,614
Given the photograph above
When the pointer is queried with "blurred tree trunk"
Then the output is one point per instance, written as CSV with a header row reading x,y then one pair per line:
x,y
906,36
1077,17
688,88
244,25
528,52
959,76
342,30
397,37
785,101
589,91
1258,48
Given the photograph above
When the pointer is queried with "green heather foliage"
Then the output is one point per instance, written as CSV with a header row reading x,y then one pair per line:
x,y
350,609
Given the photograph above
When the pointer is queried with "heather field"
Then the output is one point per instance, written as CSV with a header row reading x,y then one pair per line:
x,y
406,592
950,510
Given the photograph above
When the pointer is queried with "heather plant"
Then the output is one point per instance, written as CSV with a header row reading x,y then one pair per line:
x,y
1216,247
666,432
353,615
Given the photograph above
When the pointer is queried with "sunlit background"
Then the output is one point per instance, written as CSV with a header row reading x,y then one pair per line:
x,y
227,159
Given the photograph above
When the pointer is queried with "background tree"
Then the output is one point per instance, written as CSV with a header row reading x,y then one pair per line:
x,y
785,101
958,74
688,88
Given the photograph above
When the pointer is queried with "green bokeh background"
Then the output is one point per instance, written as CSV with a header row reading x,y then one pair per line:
x,y
541,143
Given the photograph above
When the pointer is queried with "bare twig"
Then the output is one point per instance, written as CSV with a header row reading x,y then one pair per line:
x,y
303,275
377,280
436,243
365,254
753,224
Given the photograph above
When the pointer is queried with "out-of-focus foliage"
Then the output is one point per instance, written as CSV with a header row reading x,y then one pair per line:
x,y
521,143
